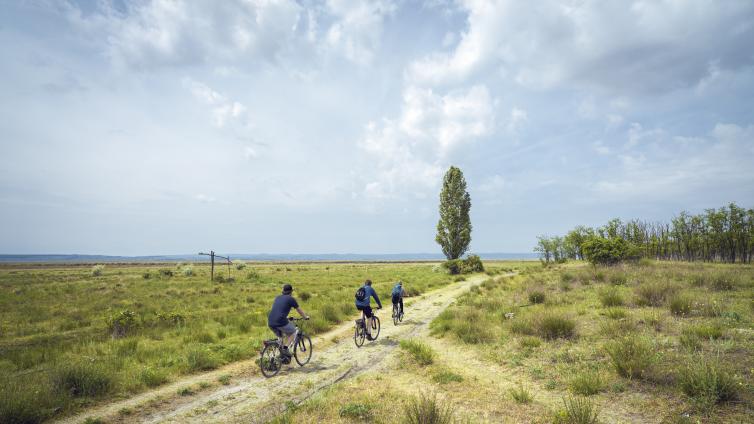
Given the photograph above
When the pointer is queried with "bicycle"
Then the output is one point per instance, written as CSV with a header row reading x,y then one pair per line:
x,y
272,357
360,329
397,313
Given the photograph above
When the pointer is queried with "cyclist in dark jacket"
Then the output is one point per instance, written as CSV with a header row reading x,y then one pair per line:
x,y
363,305
277,319
397,294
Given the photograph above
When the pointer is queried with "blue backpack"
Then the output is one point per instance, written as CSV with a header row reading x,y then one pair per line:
x,y
397,290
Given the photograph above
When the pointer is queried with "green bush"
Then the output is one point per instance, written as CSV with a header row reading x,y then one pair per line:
x,y
724,281
98,270
188,270
587,383
152,378
421,352
453,266
530,342
357,411
240,265
536,296
618,279
680,305
577,410
608,251
23,402
473,263
79,378
445,377
653,294
167,273
121,323
631,356
708,382
521,394
553,326
330,313
616,313
704,331
611,297
305,296
427,409
200,360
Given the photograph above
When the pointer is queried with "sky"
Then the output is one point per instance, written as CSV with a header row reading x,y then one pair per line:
x,y
250,126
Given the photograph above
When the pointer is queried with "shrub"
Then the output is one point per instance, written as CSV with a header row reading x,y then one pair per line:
x,y
708,382
224,379
473,263
617,328
98,270
167,273
577,410
453,266
200,360
616,313
680,305
121,323
171,319
536,296
421,352
427,409
188,270
631,356
724,281
566,277
330,313
357,411
530,342
653,294
146,275
521,395
599,276
587,383
152,378
305,296
240,265
553,326
704,331
611,297
445,377
81,379
608,251
22,402
522,326
618,279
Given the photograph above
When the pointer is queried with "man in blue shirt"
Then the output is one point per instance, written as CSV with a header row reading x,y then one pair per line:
x,y
277,319
362,304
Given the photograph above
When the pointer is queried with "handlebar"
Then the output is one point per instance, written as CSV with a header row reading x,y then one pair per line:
x,y
297,319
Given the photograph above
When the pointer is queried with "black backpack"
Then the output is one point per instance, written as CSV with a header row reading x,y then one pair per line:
x,y
361,294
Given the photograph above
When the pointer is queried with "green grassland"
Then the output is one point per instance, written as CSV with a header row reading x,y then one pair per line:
x,y
58,353
650,342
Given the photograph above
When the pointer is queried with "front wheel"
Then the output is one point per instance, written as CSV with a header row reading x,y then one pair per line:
x,y
302,351
271,361
375,328
396,315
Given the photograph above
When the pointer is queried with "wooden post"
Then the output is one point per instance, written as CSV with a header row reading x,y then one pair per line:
x,y
212,268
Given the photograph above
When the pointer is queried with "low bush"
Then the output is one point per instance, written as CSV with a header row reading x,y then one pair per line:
x,y
419,351
523,326
167,273
521,394
724,281
200,360
356,411
611,297
445,377
79,378
472,263
305,296
704,331
553,326
681,305
240,265
653,294
121,323
536,296
587,383
631,356
618,279
708,381
616,313
330,313
453,266
577,410
530,342
98,270
22,403
152,378
426,409
188,270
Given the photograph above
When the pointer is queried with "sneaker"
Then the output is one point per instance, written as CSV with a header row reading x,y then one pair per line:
x,y
369,337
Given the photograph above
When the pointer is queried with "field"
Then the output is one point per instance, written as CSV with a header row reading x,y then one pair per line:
x,y
73,336
655,342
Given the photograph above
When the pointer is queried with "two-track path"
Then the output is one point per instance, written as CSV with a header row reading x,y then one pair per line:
x,y
252,398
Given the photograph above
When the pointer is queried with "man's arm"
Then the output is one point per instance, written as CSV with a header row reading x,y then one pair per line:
x,y
376,298
301,312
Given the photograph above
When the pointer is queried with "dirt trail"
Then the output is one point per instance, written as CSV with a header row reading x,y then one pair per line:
x,y
253,398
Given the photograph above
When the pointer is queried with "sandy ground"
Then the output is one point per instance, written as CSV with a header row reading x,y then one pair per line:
x,y
252,398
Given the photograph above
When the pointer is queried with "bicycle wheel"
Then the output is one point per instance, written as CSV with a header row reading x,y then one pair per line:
x,y
400,316
375,327
302,351
359,335
271,362
396,315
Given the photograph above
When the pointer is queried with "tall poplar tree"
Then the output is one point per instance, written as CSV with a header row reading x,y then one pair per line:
x,y
454,227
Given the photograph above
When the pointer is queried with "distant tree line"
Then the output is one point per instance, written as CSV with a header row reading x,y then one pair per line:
x,y
717,235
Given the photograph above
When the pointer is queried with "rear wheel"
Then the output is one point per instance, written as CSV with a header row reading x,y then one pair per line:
x,y
359,335
400,316
302,351
375,328
396,315
271,362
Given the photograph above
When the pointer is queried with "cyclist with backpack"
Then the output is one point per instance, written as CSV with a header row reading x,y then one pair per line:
x,y
363,295
397,294
277,319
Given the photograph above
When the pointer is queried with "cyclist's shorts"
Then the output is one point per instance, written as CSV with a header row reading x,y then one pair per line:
x,y
286,329
367,310
396,299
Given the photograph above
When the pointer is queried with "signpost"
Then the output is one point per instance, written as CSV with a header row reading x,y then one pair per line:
x,y
212,257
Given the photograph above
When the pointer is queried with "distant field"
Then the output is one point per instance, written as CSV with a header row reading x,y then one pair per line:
x,y
656,342
57,352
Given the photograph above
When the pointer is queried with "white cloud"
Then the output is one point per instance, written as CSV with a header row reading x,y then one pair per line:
x,y
250,153
517,118
600,148
223,109
203,198
357,29
414,149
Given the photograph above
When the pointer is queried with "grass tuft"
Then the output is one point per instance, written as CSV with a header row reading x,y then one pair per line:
x,y
631,356
82,379
427,409
577,410
419,351
536,296
357,411
681,305
587,383
553,326
708,382
521,394
611,297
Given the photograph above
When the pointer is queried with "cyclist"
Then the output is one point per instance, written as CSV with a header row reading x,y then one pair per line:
x,y
277,319
398,293
362,303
